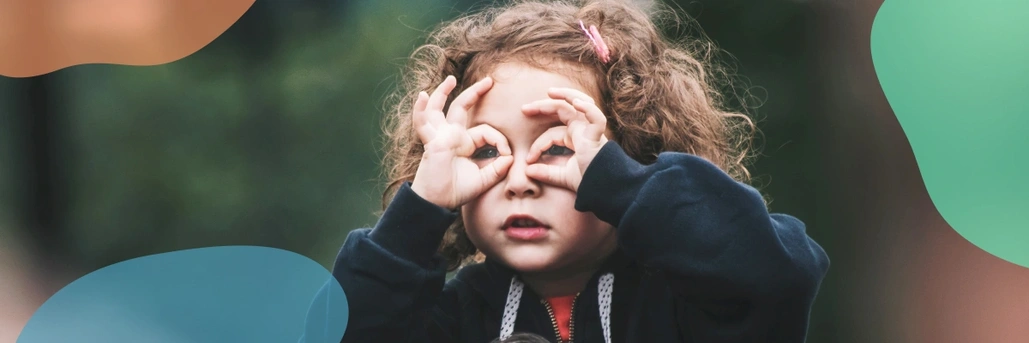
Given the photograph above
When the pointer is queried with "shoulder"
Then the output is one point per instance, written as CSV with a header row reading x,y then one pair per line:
x,y
468,278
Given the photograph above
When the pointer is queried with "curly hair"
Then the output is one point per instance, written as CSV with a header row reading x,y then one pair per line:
x,y
658,94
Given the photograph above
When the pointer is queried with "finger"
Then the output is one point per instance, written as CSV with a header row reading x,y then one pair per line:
x,y
426,133
419,119
493,172
569,94
554,175
486,135
594,116
420,102
563,109
578,128
467,99
554,135
584,103
438,99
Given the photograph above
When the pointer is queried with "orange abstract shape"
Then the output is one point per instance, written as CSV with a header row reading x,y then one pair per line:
x,y
42,36
964,294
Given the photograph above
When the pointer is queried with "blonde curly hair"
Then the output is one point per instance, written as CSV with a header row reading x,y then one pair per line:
x,y
659,95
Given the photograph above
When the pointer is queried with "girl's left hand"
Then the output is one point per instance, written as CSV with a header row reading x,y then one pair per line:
x,y
583,134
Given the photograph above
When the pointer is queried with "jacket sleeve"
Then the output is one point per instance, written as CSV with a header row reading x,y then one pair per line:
x,y
394,280
741,274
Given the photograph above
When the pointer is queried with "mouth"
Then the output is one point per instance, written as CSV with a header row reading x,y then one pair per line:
x,y
525,228
522,221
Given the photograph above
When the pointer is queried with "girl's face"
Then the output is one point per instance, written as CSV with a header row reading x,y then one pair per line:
x,y
572,241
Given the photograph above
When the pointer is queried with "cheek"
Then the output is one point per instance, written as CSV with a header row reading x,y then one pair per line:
x,y
587,227
474,214
481,207
562,203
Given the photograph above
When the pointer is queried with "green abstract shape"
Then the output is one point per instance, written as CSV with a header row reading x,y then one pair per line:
x,y
956,73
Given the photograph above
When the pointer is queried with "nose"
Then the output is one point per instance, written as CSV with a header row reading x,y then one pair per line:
x,y
519,185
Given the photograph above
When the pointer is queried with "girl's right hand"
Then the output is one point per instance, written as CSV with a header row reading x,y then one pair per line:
x,y
459,163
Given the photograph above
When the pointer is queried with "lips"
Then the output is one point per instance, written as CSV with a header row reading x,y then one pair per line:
x,y
522,221
525,228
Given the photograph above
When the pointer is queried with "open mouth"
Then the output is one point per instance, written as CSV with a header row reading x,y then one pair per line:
x,y
525,228
523,222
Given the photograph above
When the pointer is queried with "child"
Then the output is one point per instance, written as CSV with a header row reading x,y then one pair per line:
x,y
589,166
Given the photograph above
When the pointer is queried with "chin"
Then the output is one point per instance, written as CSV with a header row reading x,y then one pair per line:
x,y
529,259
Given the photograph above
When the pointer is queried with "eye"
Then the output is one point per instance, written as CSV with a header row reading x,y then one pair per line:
x,y
486,152
558,150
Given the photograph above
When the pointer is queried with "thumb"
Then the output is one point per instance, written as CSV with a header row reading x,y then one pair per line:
x,y
493,172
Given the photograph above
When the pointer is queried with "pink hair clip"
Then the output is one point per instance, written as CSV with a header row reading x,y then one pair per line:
x,y
598,42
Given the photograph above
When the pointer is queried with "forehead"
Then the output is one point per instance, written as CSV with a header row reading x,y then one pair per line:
x,y
514,85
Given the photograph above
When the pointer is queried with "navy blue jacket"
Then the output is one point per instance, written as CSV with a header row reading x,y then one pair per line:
x,y
700,259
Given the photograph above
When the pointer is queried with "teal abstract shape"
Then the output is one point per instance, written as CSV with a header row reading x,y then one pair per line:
x,y
218,294
956,73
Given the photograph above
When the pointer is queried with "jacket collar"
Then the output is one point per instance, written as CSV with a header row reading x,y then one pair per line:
x,y
494,282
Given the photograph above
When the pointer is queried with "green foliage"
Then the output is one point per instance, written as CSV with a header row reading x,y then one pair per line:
x,y
213,149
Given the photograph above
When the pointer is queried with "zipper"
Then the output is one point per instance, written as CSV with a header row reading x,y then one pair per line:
x,y
571,320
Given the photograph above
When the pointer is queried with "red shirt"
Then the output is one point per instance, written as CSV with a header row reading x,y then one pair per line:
x,y
562,307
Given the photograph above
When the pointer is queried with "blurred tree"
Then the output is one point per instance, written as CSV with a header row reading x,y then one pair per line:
x,y
43,172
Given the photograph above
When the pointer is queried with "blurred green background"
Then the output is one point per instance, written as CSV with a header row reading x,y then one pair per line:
x,y
270,136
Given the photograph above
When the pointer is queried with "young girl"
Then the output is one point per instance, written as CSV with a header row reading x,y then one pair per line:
x,y
589,165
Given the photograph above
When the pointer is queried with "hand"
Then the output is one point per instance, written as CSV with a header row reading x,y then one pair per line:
x,y
582,136
458,163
